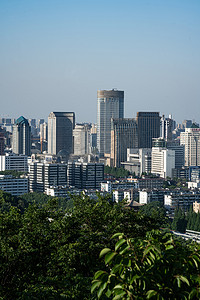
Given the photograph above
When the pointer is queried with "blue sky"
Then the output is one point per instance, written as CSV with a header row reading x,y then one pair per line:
x,y
56,54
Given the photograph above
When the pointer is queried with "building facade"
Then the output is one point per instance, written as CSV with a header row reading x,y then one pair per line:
x,y
191,141
81,135
110,104
148,128
124,134
162,162
21,137
14,186
85,175
42,176
60,132
17,162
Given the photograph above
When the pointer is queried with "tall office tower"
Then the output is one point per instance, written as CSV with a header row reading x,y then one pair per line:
x,y
2,141
60,132
167,125
110,104
22,137
81,134
191,140
43,131
148,128
124,134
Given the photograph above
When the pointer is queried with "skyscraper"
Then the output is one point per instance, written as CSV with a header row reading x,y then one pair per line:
x,y
191,140
60,132
110,104
148,128
21,137
124,134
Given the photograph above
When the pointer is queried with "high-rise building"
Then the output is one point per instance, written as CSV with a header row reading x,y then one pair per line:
x,y
110,104
2,141
60,132
191,140
167,125
124,134
148,128
81,134
21,137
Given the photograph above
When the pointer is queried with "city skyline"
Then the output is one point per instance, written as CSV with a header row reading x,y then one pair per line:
x,y
55,55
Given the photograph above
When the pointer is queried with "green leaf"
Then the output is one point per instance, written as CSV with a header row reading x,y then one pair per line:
x,y
109,257
96,283
117,235
169,247
184,279
99,273
104,252
119,296
101,289
118,286
151,293
119,243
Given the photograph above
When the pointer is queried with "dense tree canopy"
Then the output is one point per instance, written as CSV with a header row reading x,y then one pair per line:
x,y
47,252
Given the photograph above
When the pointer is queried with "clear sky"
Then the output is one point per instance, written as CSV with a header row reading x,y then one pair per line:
x,y
56,54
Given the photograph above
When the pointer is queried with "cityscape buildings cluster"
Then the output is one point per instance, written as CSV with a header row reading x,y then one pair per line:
x,y
60,154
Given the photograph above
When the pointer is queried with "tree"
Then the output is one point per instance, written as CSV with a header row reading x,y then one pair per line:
x,y
179,222
47,252
149,269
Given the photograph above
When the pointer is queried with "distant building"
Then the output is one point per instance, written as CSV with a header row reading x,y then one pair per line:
x,y
81,135
18,162
21,137
124,134
148,128
196,207
14,186
110,104
42,176
85,175
183,200
149,196
138,161
163,162
191,141
60,132
167,125
2,141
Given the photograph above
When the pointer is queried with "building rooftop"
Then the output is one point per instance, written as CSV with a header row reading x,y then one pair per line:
x,y
21,120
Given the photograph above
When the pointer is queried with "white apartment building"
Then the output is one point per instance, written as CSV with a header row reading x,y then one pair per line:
x,y
162,162
191,140
11,161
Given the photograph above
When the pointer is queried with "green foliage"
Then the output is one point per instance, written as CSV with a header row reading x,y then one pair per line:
x,y
49,253
116,172
179,222
157,211
149,269
14,173
193,220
